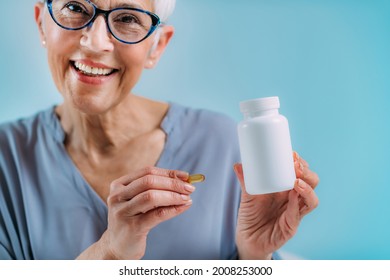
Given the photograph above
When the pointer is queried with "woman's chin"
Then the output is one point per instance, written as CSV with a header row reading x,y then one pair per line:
x,y
91,106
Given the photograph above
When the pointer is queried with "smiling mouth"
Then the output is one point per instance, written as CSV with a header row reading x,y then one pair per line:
x,y
92,71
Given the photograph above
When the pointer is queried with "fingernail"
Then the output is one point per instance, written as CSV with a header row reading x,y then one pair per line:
x,y
189,188
183,175
300,185
185,197
296,156
298,169
188,203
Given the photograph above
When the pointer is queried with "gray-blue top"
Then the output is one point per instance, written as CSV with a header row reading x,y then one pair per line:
x,y
48,210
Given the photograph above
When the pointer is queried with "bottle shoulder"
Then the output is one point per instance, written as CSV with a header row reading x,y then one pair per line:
x,y
269,119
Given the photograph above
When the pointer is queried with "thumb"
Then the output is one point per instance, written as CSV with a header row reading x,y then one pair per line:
x,y
240,175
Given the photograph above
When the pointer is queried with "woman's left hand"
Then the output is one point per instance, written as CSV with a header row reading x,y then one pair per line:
x,y
267,222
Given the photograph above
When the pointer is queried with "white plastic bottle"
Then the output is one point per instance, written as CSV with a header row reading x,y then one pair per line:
x,y
265,147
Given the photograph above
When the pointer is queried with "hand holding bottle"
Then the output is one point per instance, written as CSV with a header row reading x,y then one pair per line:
x,y
266,222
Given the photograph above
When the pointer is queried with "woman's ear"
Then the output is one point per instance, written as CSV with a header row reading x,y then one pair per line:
x,y
162,37
39,12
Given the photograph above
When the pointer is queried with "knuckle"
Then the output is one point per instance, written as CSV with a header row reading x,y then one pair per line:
x,y
111,200
148,181
161,212
114,185
149,170
177,185
147,197
172,173
114,196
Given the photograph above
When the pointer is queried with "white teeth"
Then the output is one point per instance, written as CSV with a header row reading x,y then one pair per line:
x,y
92,70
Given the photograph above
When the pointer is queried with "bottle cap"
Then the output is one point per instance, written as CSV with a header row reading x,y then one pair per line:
x,y
260,104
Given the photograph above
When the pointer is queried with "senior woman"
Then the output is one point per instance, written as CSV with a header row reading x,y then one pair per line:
x,y
104,175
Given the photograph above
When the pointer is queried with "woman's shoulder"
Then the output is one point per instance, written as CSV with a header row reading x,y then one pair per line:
x,y
199,120
24,131
201,129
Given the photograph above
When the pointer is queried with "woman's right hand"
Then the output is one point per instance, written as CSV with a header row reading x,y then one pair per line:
x,y
137,203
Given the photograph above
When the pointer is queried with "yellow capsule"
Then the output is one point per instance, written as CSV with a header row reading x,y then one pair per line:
x,y
196,178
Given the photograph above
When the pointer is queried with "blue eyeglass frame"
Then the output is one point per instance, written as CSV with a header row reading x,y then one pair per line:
x,y
97,11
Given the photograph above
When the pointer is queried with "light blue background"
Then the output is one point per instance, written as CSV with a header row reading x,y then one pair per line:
x,y
329,62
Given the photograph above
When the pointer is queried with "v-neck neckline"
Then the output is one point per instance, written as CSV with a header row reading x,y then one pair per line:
x,y
167,125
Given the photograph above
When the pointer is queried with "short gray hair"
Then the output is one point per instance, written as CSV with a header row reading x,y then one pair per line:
x,y
164,8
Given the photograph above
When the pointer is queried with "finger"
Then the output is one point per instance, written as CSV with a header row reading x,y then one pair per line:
x,y
306,175
151,200
308,196
298,158
159,215
150,182
150,170
293,216
240,175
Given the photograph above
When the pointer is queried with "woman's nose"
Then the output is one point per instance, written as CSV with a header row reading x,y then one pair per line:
x,y
97,37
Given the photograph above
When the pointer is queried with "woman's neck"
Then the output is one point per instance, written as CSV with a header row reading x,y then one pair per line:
x,y
106,133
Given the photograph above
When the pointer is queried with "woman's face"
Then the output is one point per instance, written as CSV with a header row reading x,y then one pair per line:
x,y
71,53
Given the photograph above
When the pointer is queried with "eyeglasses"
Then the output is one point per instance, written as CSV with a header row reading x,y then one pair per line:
x,y
127,25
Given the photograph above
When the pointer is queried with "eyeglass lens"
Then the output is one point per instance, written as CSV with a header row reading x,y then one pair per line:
x,y
126,24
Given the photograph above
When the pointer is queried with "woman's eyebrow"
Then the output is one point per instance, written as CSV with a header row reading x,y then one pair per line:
x,y
130,4
121,4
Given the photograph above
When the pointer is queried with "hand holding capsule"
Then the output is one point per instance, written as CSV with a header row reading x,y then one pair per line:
x,y
136,204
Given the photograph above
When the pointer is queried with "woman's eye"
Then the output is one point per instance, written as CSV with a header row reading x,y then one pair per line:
x,y
128,19
76,8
